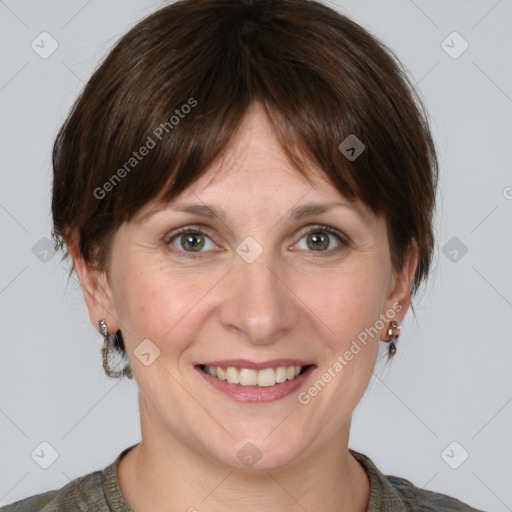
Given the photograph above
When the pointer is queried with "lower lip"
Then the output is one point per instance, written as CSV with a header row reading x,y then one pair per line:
x,y
256,393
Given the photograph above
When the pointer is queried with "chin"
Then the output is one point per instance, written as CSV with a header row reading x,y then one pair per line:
x,y
259,453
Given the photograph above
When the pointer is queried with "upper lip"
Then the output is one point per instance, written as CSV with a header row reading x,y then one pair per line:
x,y
245,363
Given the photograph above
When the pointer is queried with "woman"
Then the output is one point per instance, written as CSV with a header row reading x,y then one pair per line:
x,y
245,189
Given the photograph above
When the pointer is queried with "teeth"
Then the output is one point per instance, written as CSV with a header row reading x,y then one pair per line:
x,y
281,374
232,375
249,377
266,377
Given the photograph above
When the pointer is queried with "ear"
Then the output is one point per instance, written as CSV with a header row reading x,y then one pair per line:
x,y
400,286
95,287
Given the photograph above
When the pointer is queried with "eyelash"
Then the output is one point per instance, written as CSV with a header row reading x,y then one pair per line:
x,y
343,239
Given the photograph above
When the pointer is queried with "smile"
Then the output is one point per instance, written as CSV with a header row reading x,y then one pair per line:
x,y
251,377
263,382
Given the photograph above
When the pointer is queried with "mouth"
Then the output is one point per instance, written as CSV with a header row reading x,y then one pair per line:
x,y
251,377
250,382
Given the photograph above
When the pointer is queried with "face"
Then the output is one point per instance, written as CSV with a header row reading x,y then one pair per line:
x,y
256,287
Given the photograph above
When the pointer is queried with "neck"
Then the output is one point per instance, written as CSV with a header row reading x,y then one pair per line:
x,y
163,470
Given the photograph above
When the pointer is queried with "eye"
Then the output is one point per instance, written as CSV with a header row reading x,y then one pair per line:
x,y
189,240
318,239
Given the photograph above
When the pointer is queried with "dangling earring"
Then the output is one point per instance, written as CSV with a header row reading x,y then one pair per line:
x,y
392,332
105,354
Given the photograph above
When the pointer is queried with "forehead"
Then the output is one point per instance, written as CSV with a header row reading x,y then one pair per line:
x,y
254,159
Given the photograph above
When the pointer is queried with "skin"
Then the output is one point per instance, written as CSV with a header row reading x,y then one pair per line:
x,y
292,302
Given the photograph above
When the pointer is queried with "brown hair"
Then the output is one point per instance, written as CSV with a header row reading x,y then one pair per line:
x,y
179,83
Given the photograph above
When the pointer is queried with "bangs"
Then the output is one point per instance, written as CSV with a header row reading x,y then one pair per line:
x,y
167,100
309,120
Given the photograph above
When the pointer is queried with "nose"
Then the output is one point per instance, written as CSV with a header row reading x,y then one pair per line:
x,y
259,303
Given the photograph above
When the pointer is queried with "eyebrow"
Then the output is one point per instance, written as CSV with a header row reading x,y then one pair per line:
x,y
298,213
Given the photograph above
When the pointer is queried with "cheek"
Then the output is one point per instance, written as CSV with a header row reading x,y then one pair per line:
x,y
139,295
156,303
347,300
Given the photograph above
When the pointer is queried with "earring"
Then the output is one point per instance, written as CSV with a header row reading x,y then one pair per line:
x,y
105,353
392,332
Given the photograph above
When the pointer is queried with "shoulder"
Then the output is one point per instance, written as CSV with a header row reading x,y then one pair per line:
x,y
33,503
390,493
83,493
98,491
424,500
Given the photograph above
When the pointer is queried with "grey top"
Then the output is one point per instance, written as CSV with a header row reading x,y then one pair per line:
x,y
100,492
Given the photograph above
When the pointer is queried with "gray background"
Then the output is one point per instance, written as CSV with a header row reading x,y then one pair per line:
x,y
450,380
